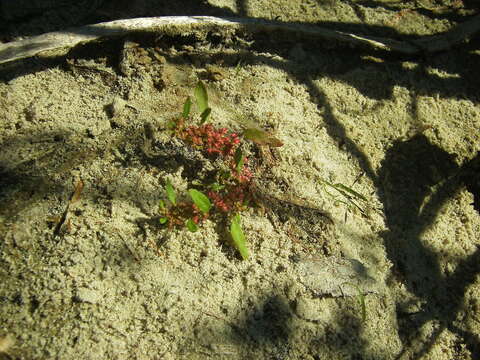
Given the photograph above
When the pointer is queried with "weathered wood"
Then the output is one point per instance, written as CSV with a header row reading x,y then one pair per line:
x,y
59,42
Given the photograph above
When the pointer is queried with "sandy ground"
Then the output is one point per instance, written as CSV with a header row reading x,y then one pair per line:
x,y
100,278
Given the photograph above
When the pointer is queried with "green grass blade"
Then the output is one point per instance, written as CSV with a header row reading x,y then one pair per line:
x,y
238,237
238,67
361,300
239,160
364,307
351,191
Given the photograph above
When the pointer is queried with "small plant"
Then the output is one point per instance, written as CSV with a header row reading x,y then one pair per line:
x,y
229,194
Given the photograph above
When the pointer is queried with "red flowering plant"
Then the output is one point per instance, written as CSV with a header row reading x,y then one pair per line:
x,y
230,193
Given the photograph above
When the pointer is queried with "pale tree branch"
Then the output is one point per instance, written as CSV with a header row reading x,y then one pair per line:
x,y
58,43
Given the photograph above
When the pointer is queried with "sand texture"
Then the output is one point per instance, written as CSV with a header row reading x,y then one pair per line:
x,y
388,268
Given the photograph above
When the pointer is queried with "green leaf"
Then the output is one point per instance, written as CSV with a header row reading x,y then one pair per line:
x,y
204,115
186,108
201,96
217,187
162,220
225,175
171,193
239,160
171,124
191,225
201,200
261,137
197,182
161,205
238,237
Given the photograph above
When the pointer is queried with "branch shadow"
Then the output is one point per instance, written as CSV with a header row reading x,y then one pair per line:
x,y
415,180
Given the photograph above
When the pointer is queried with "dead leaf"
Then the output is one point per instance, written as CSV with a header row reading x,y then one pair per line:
x,y
261,137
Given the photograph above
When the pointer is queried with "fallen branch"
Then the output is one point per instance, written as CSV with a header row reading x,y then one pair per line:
x,y
58,43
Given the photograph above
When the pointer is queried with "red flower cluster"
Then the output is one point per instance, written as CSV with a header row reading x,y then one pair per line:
x,y
214,141
219,141
230,200
245,175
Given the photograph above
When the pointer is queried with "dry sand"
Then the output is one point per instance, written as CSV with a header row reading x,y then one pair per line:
x,y
111,283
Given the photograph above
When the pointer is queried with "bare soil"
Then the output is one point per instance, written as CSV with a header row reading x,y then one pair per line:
x,y
87,271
